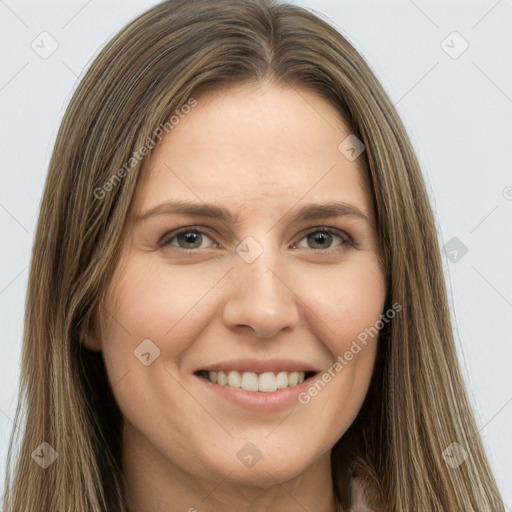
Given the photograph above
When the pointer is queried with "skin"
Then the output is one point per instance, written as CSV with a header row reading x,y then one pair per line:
x,y
262,151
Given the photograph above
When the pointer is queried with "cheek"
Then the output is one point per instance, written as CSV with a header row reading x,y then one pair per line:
x,y
170,307
151,315
157,302
158,310
348,302
344,309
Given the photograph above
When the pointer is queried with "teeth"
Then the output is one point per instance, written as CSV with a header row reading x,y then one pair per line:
x,y
250,381
221,378
267,382
234,379
293,378
282,380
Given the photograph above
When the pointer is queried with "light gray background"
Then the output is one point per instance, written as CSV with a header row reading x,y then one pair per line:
x,y
458,112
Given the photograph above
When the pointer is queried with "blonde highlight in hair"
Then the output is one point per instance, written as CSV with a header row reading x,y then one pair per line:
x,y
417,404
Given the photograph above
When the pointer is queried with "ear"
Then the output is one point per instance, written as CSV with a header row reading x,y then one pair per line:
x,y
91,337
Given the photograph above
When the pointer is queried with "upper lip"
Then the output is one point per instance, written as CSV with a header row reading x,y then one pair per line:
x,y
259,366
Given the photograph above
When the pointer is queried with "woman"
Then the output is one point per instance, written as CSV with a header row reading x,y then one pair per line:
x,y
236,299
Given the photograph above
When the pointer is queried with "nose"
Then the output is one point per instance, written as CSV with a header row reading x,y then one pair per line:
x,y
261,298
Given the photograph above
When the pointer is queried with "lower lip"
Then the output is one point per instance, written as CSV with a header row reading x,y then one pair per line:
x,y
272,401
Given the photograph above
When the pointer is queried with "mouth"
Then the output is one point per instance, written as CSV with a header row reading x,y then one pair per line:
x,y
256,382
269,385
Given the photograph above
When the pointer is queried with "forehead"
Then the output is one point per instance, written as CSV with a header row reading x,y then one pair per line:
x,y
255,146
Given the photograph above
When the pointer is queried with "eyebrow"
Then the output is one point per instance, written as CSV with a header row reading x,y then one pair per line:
x,y
306,213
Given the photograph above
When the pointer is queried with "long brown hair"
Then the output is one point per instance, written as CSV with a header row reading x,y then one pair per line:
x,y
417,404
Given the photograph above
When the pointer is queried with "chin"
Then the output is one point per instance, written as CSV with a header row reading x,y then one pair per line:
x,y
273,466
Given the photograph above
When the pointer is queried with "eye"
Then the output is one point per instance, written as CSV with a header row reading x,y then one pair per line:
x,y
186,238
192,238
323,239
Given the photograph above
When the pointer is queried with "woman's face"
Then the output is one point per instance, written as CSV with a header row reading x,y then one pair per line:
x,y
262,283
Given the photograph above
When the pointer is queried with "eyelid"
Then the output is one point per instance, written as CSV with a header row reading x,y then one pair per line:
x,y
165,240
345,237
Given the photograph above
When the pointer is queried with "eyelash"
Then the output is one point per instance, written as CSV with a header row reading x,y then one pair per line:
x,y
345,239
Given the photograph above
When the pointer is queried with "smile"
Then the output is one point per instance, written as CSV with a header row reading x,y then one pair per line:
x,y
265,382
266,385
